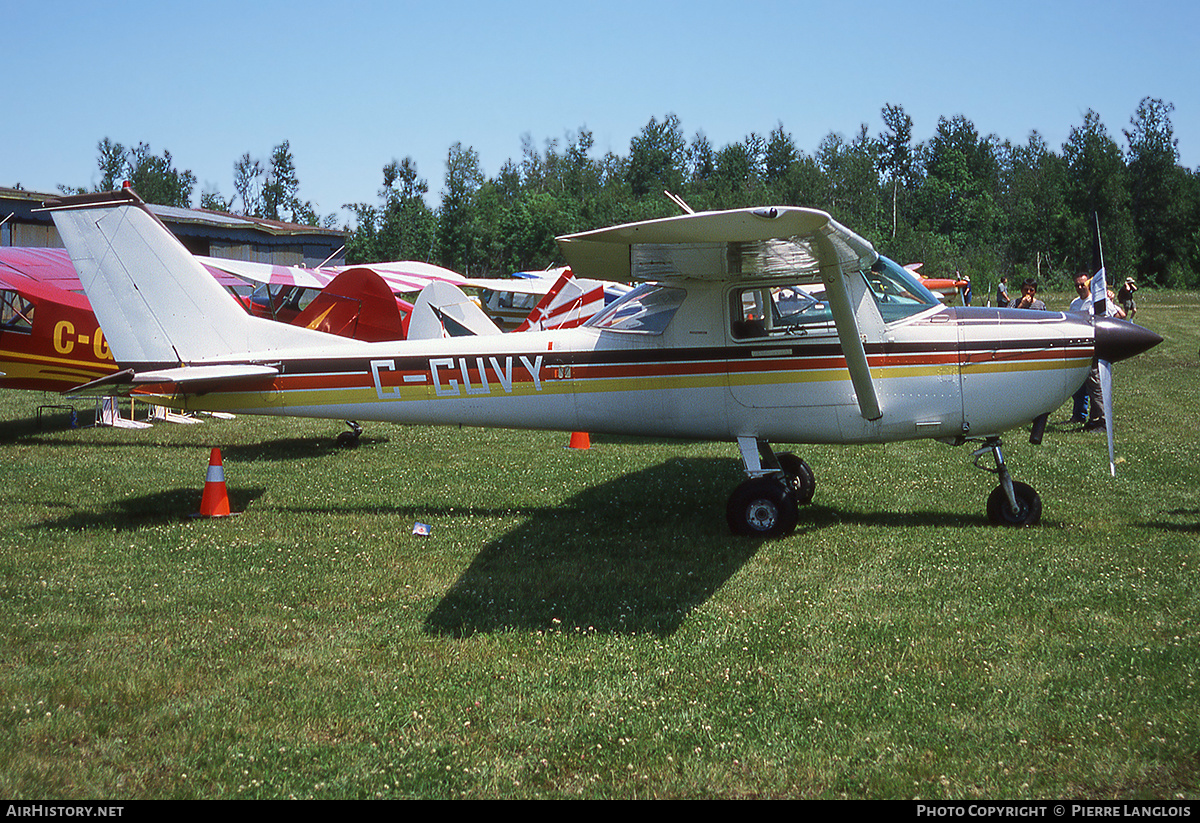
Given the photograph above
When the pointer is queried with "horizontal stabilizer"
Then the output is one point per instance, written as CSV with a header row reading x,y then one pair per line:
x,y
117,383
188,375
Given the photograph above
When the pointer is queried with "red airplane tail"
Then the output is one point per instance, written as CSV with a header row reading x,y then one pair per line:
x,y
358,304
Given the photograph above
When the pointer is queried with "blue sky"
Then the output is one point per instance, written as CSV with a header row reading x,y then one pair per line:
x,y
352,85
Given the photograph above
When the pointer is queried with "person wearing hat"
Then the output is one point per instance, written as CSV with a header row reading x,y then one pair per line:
x,y
1125,295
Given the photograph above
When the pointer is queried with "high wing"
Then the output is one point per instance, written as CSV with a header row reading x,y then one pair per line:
x,y
409,276
802,245
403,277
49,266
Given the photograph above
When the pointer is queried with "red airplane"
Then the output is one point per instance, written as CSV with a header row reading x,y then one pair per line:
x,y
49,337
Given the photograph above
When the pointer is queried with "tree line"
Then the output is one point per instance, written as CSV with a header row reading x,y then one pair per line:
x,y
264,190
958,202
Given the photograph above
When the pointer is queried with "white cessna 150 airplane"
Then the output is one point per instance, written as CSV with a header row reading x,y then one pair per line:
x,y
753,326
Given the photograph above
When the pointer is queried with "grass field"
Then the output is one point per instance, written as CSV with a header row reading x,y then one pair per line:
x,y
580,623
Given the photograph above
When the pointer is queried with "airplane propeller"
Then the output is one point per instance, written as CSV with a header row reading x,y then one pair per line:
x,y
1105,369
1117,340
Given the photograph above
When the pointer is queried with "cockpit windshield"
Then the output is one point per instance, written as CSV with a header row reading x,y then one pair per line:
x,y
897,292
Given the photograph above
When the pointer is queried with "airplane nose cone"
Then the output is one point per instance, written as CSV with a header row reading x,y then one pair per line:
x,y
1120,339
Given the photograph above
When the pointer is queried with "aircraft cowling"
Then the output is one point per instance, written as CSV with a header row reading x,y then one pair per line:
x,y
1120,339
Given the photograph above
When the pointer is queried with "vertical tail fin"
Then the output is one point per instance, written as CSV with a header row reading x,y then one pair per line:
x,y
156,304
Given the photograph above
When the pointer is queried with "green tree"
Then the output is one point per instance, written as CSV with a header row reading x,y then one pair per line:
x,y
247,183
1158,193
402,228
657,158
735,175
456,230
213,201
701,164
153,177
779,154
281,191
896,154
273,192
1034,202
113,163
1097,192
850,171
961,182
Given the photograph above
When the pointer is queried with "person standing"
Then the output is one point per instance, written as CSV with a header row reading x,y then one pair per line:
x,y
1088,401
1002,292
1125,296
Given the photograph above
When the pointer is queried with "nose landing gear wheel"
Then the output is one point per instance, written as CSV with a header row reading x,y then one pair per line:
x,y
1027,513
762,507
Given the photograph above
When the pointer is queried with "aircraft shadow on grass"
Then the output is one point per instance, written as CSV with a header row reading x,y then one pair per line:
x,y
31,428
133,513
1190,526
32,431
634,555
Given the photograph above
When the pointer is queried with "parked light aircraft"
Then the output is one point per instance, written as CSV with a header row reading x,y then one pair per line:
x,y
943,287
721,341
49,338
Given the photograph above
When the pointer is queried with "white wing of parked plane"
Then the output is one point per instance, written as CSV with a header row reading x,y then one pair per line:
x,y
402,277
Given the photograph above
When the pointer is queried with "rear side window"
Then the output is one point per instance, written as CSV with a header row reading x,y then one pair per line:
x,y
645,310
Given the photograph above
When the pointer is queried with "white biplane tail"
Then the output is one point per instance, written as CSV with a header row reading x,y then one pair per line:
x,y
158,306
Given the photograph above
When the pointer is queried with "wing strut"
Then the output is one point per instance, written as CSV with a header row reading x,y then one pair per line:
x,y
850,337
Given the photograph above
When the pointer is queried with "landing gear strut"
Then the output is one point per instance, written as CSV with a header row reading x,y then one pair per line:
x,y
767,503
1011,503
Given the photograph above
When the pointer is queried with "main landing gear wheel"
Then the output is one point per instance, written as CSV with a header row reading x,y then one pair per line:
x,y
798,477
1028,511
762,507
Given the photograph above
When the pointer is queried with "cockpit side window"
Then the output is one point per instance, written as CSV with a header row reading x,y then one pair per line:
x,y
16,313
771,311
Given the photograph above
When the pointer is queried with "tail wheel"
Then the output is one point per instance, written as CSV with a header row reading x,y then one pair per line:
x,y
1027,513
349,439
762,507
799,478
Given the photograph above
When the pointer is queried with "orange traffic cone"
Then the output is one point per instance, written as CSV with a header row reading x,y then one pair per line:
x,y
580,440
215,501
